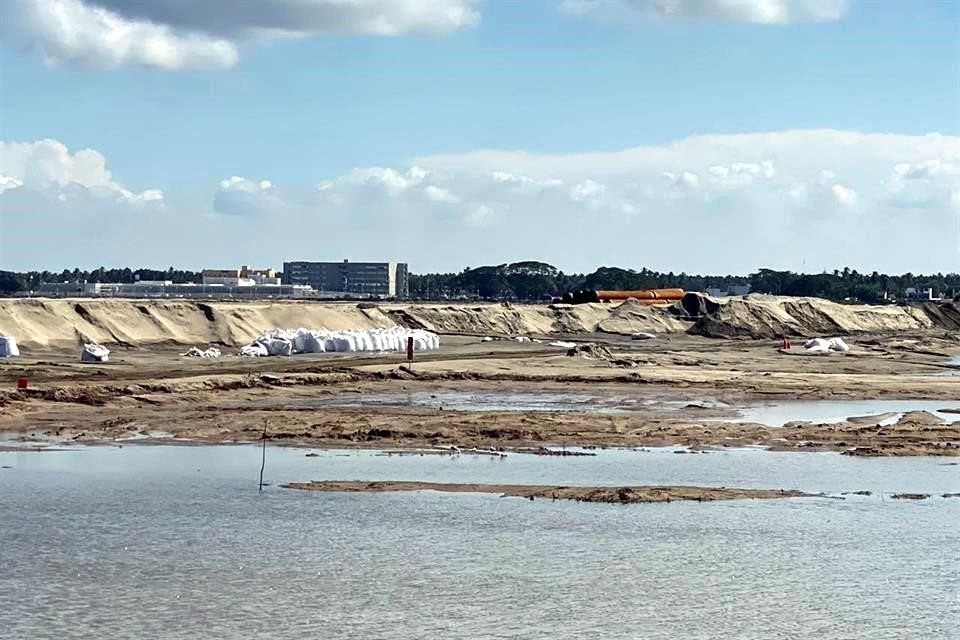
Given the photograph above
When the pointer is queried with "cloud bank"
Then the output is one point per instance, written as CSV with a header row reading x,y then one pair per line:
x,y
754,11
804,200
207,34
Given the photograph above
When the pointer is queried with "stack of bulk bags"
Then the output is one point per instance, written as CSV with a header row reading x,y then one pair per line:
x,y
94,353
301,340
8,347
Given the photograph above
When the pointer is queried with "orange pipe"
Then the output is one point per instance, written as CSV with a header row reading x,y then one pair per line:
x,y
642,294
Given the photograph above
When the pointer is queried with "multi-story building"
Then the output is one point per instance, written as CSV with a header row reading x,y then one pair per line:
x,y
388,279
242,277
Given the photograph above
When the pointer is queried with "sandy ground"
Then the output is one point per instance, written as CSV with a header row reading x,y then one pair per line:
x,y
622,495
155,394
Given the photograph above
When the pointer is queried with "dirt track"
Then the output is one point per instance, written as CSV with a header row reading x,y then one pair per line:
x,y
300,398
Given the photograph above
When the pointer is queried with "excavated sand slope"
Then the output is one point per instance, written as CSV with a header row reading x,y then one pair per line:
x,y
45,322
63,322
516,320
762,316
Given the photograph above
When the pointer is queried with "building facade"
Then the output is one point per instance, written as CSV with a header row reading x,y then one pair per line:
x,y
242,277
167,289
386,279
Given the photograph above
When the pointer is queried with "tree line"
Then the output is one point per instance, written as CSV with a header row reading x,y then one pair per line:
x,y
539,281
14,282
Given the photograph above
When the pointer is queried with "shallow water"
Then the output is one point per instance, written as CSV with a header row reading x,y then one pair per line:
x,y
525,400
175,542
778,413
774,413
955,362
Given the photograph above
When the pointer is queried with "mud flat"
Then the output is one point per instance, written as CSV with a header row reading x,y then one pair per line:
x,y
668,390
624,495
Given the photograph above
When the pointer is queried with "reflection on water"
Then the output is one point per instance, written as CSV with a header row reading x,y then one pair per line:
x,y
697,404
175,542
953,361
776,414
524,400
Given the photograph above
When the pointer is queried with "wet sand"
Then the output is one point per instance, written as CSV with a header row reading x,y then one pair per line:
x,y
232,399
623,495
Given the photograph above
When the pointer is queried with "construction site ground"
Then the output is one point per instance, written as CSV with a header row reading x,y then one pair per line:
x,y
153,394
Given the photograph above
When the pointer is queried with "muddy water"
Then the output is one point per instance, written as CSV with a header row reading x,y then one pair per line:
x,y
174,542
772,413
776,414
523,400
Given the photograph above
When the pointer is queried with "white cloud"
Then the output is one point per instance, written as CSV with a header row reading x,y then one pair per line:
x,y
48,166
762,191
741,174
684,181
814,200
755,11
480,215
70,32
843,194
239,196
174,34
925,184
439,194
587,191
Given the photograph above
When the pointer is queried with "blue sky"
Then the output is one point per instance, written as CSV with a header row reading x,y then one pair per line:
x,y
535,84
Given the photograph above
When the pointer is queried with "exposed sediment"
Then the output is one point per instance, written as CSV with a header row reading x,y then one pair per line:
x,y
622,495
39,322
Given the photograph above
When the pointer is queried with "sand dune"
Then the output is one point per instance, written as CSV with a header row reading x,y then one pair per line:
x,y
44,322
39,322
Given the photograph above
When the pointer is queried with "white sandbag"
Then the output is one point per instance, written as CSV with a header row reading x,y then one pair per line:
x,y
308,342
837,344
522,339
8,347
196,352
825,345
642,335
254,350
278,346
321,340
486,339
94,353
562,344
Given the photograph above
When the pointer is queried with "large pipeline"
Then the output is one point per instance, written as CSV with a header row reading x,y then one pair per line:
x,y
645,296
642,294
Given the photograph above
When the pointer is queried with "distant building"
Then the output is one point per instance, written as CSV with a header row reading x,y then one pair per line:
x,y
912,293
167,289
242,277
386,279
735,290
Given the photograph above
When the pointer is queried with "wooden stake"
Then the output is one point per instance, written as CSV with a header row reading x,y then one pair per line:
x,y
263,460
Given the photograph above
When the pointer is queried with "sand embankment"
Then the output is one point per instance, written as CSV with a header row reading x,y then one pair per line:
x,y
623,495
762,316
39,322
63,322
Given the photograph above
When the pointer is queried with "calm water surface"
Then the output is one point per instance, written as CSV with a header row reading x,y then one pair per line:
x,y
774,413
175,542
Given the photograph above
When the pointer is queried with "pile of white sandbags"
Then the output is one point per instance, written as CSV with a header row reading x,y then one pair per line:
x,y
8,347
825,345
254,350
94,353
284,342
196,352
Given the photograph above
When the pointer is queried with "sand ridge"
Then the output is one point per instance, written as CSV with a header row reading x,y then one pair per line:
x,y
40,322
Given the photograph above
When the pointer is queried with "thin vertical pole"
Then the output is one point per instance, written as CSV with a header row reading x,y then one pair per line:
x,y
263,459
